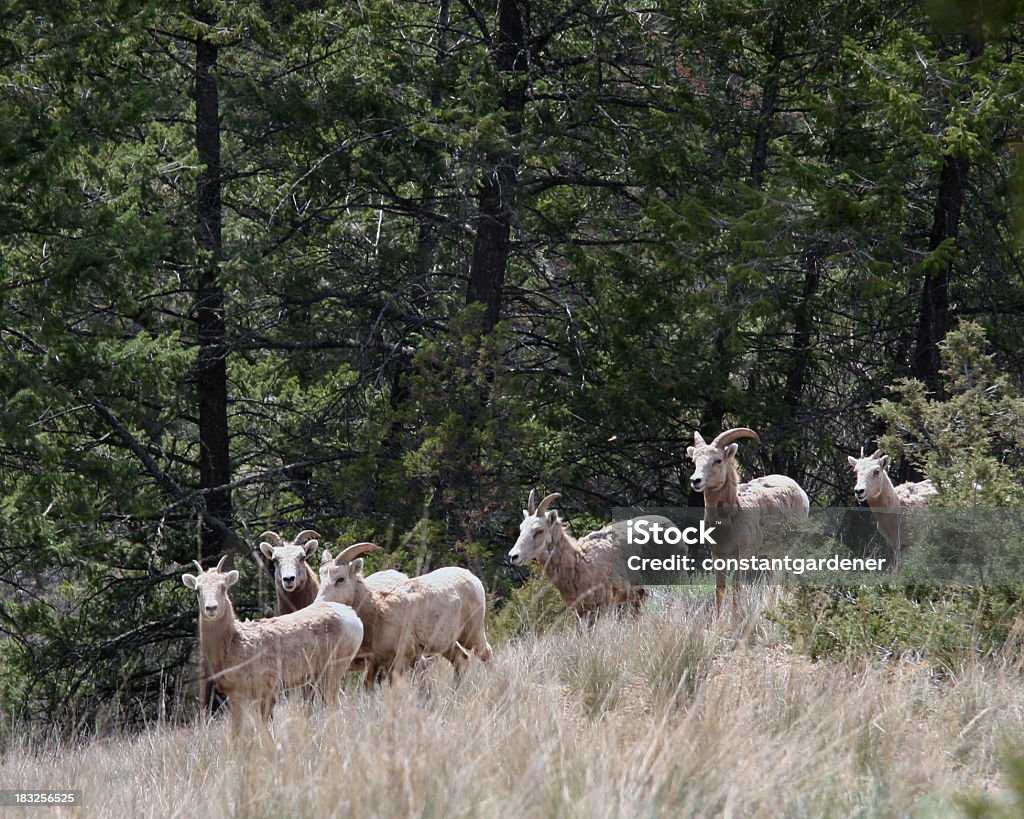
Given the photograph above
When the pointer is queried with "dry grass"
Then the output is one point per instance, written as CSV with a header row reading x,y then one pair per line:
x,y
672,714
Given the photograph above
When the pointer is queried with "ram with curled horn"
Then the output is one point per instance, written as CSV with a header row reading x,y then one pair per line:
x,y
294,579
743,506
589,573
404,619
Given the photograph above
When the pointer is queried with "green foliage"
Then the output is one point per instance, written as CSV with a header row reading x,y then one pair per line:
x,y
941,625
530,609
968,441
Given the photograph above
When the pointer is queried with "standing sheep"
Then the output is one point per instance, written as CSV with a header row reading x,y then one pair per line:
x,y
252,662
295,581
737,509
441,612
887,502
589,573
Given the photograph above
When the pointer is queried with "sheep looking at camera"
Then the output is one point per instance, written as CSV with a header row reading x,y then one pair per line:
x,y
295,581
253,662
441,612
738,509
888,502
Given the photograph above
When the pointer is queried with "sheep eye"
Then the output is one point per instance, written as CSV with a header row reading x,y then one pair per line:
x,y
339,581
718,460
877,470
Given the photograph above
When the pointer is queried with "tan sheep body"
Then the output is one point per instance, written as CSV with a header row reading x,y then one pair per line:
x,y
875,488
254,661
441,612
738,508
588,573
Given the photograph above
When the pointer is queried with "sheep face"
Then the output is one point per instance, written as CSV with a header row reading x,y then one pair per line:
x,y
536,537
870,474
289,562
711,464
212,589
338,580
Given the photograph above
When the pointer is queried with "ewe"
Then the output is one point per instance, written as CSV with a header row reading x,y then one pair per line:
x,y
441,612
254,661
738,509
887,502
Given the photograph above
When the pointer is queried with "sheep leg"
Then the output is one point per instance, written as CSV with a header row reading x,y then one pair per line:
x,y
719,591
459,658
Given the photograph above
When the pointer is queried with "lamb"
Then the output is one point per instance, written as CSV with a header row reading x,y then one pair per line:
x,y
589,573
441,612
294,579
886,501
738,509
254,661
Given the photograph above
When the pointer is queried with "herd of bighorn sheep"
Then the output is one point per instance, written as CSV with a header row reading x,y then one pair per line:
x,y
384,623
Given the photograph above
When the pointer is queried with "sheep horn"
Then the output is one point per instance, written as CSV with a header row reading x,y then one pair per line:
x,y
306,534
350,553
698,439
877,454
199,566
730,435
273,538
531,504
543,507
221,562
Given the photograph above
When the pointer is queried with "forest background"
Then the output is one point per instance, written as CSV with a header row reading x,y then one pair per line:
x,y
378,269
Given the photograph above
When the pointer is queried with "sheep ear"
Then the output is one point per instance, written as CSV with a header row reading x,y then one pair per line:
x,y
267,549
526,514
885,461
231,578
357,567
311,546
852,460
189,580
731,450
552,516
689,452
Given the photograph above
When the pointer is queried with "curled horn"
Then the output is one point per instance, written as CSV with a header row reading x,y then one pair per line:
x,y
531,504
350,553
273,538
543,507
306,534
199,566
221,562
730,435
877,454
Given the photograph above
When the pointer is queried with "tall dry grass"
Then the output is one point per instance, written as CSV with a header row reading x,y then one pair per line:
x,y
675,713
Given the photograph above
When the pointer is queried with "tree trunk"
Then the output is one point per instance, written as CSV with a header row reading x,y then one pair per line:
x,y
497,190
211,370
933,315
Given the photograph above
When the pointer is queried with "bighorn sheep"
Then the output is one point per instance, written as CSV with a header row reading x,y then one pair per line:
x,y
254,661
740,505
441,612
294,579
874,488
589,573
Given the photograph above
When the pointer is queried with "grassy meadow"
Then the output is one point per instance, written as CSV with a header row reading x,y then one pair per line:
x,y
674,713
